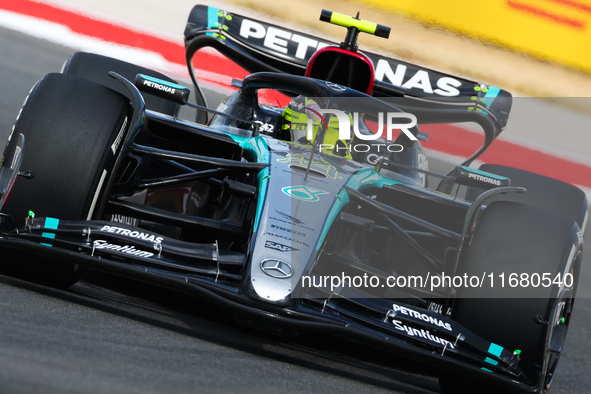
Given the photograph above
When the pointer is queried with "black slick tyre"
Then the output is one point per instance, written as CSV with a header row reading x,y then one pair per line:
x,y
95,68
70,125
513,238
542,191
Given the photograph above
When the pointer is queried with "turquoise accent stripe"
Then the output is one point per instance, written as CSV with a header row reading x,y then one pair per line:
x,y
258,147
212,16
237,138
484,173
491,361
487,370
162,82
495,349
491,95
368,177
263,178
51,223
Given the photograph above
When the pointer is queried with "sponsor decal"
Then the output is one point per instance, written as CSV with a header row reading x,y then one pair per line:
x,y
158,86
434,307
117,141
278,40
335,86
445,86
279,247
276,268
288,230
127,249
286,238
133,234
288,222
124,220
292,221
422,333
304,193
301,47
396,309
484,179
291,218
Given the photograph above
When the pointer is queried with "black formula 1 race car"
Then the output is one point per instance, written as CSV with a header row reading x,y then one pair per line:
x,y
302,201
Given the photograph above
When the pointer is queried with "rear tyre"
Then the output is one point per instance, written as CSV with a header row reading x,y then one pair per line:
x,y
517,238
70,125
542,191
95,68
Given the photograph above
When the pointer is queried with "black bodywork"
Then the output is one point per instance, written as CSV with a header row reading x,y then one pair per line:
x,y
206,249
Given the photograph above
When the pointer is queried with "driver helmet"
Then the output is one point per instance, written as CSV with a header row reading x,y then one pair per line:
x,y
294,120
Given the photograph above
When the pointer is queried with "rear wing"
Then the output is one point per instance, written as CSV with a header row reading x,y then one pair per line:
x,y
258,46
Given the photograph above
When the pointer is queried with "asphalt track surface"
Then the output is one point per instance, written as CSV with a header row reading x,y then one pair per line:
x,y
108,334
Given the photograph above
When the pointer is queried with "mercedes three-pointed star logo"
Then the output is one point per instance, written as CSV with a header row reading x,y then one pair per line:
x,y
276,268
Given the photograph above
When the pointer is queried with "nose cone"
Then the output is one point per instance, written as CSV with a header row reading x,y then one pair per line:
x,y
294,214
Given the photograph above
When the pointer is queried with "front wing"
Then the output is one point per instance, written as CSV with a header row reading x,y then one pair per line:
x,y
217,277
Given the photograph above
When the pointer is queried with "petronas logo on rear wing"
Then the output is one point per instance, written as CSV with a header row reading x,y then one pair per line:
x,y
299,48
266,47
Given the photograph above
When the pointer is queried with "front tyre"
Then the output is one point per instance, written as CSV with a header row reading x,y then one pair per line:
x,y
70,127
542,191
514,238
96,68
